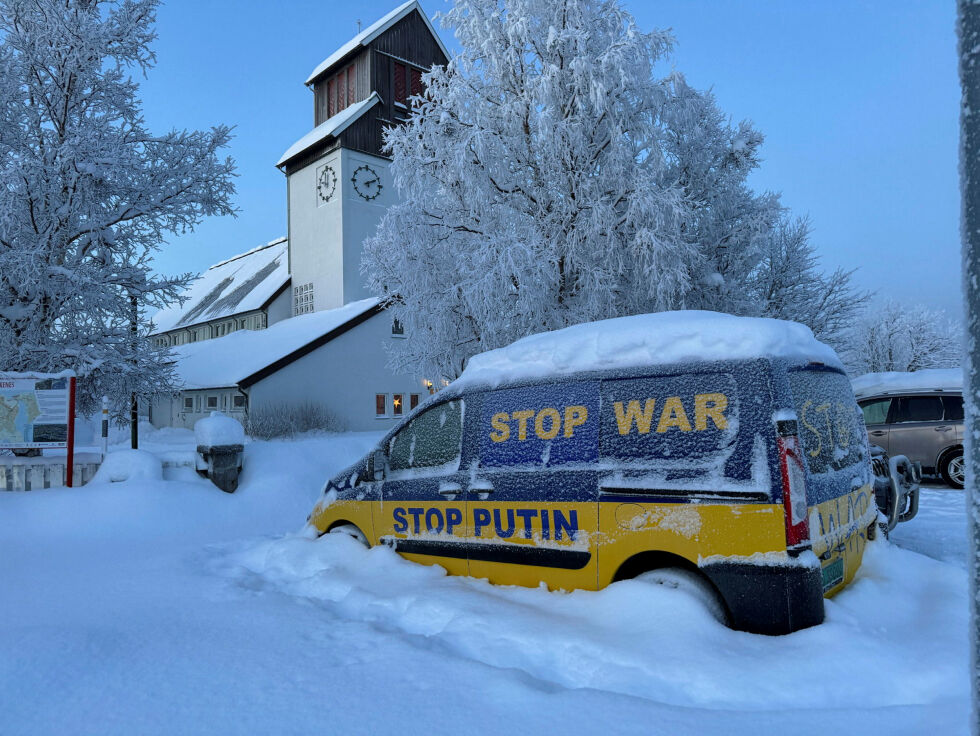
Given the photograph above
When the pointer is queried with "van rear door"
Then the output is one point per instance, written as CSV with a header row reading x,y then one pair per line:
x,y
839,488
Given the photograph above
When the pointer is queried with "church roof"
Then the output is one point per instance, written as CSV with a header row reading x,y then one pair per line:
x,y
245,357
331,126
240,284
372,32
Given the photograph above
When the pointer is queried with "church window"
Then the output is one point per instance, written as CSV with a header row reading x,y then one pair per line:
x,y
414,401
237,401
188,403
397,328
416,88
303,299
401,88
381,405
212,402
397,404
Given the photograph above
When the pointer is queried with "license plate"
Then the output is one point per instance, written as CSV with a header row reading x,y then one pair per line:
x,y
833,574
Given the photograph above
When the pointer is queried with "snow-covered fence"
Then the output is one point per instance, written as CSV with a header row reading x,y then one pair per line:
x,y
32,473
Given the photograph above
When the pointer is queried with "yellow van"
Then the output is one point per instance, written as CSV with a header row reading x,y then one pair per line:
x,y
745,477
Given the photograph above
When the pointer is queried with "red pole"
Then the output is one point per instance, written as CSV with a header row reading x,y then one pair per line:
x,y
71,430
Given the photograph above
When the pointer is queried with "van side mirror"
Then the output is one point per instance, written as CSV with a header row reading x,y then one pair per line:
x,y
378,464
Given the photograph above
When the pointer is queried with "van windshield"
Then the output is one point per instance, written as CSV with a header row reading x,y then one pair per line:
x,y
831,425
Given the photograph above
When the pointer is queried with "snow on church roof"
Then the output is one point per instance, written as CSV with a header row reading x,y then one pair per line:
x,y
240,284
331,126
230,360
372,32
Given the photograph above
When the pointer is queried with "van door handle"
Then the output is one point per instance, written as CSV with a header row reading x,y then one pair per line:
x,y
943,429
450,490
482,489
878,433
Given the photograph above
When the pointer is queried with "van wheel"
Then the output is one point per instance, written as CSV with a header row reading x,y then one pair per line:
x,y
351,531
691,583
953,469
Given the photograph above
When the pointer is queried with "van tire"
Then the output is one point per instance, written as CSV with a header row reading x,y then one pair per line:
x,y
693,584
351,531
953,468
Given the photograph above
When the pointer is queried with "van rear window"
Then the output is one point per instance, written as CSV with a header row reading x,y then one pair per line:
x,y
831,425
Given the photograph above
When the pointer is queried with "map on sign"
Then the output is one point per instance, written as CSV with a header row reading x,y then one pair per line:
x,y
34,411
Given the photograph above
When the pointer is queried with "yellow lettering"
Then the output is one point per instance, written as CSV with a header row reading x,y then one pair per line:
x,y
816,451
574,417
673,415
552,431
522,416
625,419
501,427
710,405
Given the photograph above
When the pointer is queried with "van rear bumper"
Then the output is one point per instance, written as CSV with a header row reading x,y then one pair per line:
x,y
769,599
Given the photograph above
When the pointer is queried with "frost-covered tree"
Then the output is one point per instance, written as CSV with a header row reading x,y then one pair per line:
x,y
550,177
902,337
532,183
87,193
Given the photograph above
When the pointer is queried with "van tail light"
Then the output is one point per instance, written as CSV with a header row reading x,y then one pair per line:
x,y
794,488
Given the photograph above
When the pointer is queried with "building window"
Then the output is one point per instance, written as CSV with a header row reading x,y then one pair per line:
x,y
397,404
413,400
397,328
188,403
303,299
237,401
401,88
212,402
381,405
341,90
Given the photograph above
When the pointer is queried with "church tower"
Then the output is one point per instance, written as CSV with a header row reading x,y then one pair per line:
x,y
338,179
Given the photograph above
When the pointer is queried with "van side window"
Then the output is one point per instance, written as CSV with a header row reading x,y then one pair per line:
x,y
954,408
918,409
432,440
876,411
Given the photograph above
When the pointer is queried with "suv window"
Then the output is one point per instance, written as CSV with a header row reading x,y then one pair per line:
x,y
431,440
917,409
875,411
954,408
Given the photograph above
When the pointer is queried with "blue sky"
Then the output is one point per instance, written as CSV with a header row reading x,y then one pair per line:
x,y
857,100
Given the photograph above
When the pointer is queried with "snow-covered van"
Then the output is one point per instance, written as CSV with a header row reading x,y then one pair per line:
x,y
726,453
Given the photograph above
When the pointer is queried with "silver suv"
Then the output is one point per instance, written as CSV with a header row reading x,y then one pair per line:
x,y
926,425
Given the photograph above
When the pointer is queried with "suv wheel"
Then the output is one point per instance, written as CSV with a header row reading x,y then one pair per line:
x,y
953,469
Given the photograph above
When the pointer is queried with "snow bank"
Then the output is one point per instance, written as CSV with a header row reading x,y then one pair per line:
x,y
219,429
646,339
129,465
904,615
947,379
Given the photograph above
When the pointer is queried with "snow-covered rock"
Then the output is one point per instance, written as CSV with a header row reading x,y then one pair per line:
x,y
219,429
129,465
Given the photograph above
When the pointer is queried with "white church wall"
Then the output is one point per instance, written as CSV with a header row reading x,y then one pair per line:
x,y
316,231
361,215
345,376
281,307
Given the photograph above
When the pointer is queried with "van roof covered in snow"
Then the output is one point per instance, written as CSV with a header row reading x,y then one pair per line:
x,y
663,338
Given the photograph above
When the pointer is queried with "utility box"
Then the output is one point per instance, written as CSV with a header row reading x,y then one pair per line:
x,y
220,449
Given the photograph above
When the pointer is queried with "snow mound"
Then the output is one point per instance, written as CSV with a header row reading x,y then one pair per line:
x,y
129,465
219,429
643,640
647,339
946,379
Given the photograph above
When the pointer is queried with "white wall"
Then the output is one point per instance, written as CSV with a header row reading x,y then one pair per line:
x,y
171,412
344,375
361,217
281,307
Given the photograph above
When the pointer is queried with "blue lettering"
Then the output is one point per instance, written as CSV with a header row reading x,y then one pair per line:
x,y
481,518
454,517
545,524
569,526
429,515
501,532
401,523
416,513
527,515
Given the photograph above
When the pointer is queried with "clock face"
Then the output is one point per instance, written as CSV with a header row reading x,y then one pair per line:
x,y
326,183
366,182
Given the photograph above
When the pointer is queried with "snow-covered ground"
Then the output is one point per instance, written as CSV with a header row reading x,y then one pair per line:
x,y
167,606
